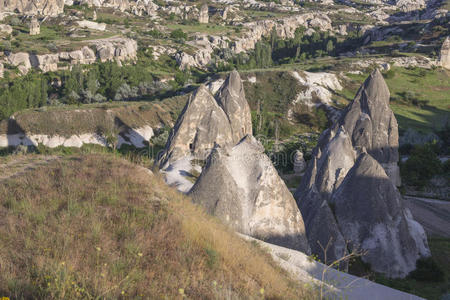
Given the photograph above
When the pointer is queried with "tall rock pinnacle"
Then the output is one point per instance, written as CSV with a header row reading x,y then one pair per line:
x,y
445,54
201,125
350,187
231,97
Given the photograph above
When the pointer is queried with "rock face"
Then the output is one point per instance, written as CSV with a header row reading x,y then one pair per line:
x,y
35,28
351,183
231,97
33,7
201,125
240,186
131,136
118,49
206,121
112,49
203,16
445,54
370,213
5,29
92,25
410,5
254,31
20,60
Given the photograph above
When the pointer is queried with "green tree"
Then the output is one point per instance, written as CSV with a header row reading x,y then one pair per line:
x,y
330,46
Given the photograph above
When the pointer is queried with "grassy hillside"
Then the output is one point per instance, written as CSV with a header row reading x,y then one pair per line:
x,y
95,226
71,120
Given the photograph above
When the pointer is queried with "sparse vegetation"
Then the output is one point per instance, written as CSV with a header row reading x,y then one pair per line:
x,y
422,165
124,235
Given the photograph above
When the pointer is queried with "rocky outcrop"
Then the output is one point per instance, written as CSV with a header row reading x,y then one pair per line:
x,y
92,25
136,137
201,125
444,59
20,60
206,122
5,29
371,124
116,49
33,7
203,16
410,5
360,153
206,44
241,187
319,87
231,98
371,215
35,27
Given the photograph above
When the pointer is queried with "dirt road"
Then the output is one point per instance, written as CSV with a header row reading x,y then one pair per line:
x,y
434,215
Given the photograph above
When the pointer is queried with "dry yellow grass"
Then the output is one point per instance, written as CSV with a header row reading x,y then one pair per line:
x,y
96,226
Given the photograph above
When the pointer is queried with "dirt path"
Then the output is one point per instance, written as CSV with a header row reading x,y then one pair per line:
x,y
434,215
15,165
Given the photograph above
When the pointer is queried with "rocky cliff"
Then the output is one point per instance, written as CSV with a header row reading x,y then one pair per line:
x,y
110,49
241,187
206,121
201,125
351,183
33,7
254,31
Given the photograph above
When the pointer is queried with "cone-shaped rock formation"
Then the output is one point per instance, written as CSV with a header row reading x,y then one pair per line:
x,y
350,187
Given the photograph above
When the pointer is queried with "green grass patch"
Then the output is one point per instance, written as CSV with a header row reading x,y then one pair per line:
x,y
431,290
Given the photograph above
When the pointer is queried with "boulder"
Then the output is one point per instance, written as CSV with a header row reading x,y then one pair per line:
x,y
351,184
445,54
241,187
231,98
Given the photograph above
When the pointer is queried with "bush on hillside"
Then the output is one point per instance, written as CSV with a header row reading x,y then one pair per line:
x,y
178,34
422,165
427,270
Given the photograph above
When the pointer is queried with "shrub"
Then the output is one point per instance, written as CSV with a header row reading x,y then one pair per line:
x,y
427,270
178,34
15,21
389,74
421,166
